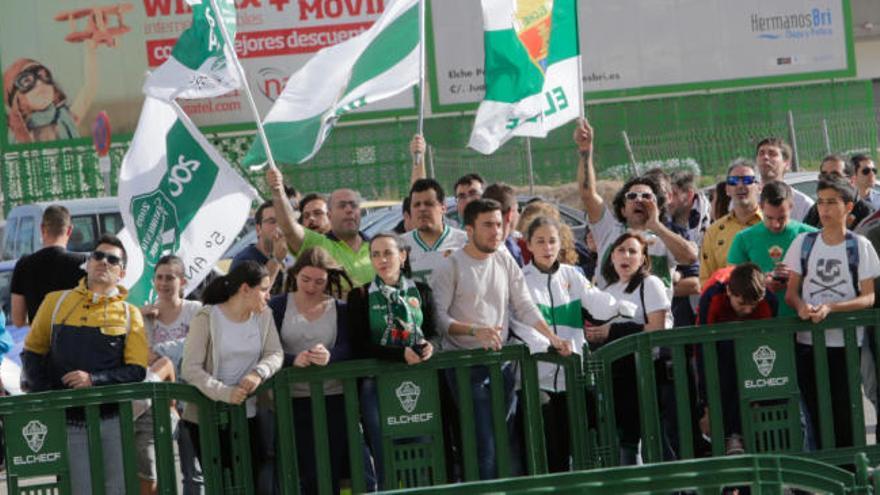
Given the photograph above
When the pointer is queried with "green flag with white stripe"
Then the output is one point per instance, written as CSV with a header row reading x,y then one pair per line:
x,y
532,72
378,64
201,63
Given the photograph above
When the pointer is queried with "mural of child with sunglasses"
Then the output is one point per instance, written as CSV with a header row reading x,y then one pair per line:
x,y
37,108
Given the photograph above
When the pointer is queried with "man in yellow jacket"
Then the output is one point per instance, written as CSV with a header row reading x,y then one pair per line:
x,y
84,337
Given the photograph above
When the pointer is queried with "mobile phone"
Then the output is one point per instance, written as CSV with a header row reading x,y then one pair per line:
x,y
418,348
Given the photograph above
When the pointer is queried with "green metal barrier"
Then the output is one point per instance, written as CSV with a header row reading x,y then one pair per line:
x,y
35,434
762,473
767,386
409,405
411,416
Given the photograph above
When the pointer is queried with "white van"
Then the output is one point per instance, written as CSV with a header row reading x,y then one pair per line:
x,y
91,218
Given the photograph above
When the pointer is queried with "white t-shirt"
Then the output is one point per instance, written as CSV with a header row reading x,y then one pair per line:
x,y
167,340
608,229
298,334
240,345
424,259
802,205
656,299
828,278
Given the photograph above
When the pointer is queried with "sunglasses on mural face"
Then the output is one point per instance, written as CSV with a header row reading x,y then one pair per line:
x,y
27,78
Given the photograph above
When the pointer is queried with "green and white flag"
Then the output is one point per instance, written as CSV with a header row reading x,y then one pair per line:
x,y
532,72
379,63
201,63
177,196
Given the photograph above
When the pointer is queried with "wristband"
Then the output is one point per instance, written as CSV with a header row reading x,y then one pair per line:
x,y
472,331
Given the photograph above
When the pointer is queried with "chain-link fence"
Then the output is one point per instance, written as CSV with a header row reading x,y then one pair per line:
x,y
703,131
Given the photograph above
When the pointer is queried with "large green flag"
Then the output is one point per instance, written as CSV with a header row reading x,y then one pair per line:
x,y
177,195
379,63
201,63
531,70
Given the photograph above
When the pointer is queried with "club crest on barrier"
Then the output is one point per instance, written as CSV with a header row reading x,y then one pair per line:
x,y
764,358
35,434
408,395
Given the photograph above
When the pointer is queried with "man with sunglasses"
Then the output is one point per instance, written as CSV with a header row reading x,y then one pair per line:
x,y
865,176
638,207
773,156
835,165
86,337
742,187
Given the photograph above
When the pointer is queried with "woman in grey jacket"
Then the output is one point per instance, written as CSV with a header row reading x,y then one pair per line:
x,y
231,348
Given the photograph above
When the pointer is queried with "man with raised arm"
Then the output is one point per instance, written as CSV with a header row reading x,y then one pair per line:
x,y
348,246
637,207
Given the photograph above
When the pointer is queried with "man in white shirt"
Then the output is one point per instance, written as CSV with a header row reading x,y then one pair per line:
x,y
773,156
832,271
432,240
474,295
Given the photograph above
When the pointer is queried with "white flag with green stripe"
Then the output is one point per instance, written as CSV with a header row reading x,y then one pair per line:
x,y
379,63
531,68
201,63
177,195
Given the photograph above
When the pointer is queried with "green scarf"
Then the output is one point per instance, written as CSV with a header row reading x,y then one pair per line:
x,y
395,313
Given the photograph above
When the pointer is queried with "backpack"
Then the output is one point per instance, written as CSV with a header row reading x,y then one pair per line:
x,y
852,255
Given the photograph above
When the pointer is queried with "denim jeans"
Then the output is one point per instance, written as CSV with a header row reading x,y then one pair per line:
x,y
78,455
370,415
482,395
191,472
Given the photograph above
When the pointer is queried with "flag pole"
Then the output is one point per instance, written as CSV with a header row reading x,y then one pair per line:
x,y
421,124
247,89
577,40
421,66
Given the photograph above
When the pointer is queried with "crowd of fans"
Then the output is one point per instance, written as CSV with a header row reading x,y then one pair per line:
x,y
314,290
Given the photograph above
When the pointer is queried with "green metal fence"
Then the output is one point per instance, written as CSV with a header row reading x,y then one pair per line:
x,y
703,131
766,383
763,474
412,416
35,433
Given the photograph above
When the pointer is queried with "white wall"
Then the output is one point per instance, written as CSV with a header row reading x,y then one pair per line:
x,y
868,59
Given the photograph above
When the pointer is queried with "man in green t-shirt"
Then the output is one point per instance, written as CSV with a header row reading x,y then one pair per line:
x,y
345,243
766,243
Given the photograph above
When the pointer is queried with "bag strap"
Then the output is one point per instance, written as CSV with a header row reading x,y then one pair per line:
x,y
806,249
642,297
852,259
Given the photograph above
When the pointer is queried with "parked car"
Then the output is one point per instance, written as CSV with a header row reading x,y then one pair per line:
x,y
10,368
387,218
91,217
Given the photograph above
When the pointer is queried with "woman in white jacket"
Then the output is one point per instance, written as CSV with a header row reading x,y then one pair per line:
x,y
561,292
231,348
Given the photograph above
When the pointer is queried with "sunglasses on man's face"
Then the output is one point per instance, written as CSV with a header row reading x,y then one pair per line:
x,y
746,180
111,258
646,196
869,170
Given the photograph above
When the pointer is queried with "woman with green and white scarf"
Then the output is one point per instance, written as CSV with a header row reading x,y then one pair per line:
x,y
391,318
